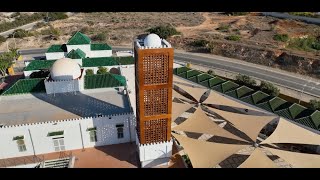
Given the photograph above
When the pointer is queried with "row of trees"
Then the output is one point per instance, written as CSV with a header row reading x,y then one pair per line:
x,y
101,70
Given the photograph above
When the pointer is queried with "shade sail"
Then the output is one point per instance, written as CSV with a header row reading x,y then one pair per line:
x,y
194,90
251,125
297,160
178,95
199,122
218,99
287,132
178,109
204,154
258,160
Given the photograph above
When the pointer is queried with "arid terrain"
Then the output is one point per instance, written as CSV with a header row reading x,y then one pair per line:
x,y
256,33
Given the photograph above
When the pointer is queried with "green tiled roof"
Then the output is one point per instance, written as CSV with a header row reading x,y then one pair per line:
x,y
229,85
315,117
102,46
76,54
215,81
101,61
57,48
276,102
192,73
204,77
39,64
78,39
295,112
296,109
258,96
182,69
103,81
26,86
243,91
125,60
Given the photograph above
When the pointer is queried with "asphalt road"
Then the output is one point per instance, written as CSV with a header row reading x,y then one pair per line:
x,y
306,85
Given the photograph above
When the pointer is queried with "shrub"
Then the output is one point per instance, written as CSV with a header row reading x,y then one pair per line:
x,y
164,31
199,43
102,70
99,37
187,160
89,72
90,23
55,16
16,14
305,44
2,39
233,38
223,28
314,104
269,88
306,14
211,72
188,65
245,80
40,25
50,31
20,33
21,20
84,30
281,37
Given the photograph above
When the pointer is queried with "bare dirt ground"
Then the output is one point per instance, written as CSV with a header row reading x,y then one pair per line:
x,y
256,32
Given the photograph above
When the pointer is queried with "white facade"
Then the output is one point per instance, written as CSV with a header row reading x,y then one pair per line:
x,y
55,55
86,48
155,154
64,86
101,53
75,134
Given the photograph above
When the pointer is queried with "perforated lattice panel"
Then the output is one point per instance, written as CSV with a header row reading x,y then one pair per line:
x,y
155,102
155,130
155,68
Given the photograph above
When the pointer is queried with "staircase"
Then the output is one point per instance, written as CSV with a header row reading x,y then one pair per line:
x,y
57,163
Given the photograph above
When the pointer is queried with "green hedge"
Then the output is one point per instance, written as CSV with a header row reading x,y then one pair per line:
x,y
103,81
26,86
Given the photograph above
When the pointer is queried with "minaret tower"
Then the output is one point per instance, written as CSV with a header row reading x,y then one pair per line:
x,y
153,72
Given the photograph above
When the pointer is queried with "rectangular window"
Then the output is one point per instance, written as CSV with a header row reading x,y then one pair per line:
x,y
93,134
119,130
21,145
58,144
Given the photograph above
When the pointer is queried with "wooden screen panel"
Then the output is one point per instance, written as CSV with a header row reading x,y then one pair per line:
x,y
155,130
155,101
155,68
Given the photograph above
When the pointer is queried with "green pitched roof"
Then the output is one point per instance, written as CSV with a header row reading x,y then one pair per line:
x,y
103,81
39,64
102,46
57,48
76,54
101,61
78,39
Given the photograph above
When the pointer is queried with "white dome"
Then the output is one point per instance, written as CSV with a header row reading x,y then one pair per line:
x,y
152,40
65,69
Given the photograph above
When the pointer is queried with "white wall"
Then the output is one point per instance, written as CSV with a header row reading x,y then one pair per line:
x,y
101,53
86,48
55,55
148,153
106,134
63,86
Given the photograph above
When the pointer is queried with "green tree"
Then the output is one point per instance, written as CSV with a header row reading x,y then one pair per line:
x,y
269,88
102,70
6,60
100,37
314,104
89,72
233,38
188,65
164,31
281,37
246,80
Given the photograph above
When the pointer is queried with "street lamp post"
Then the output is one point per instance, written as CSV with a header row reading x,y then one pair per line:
x,y
304,86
